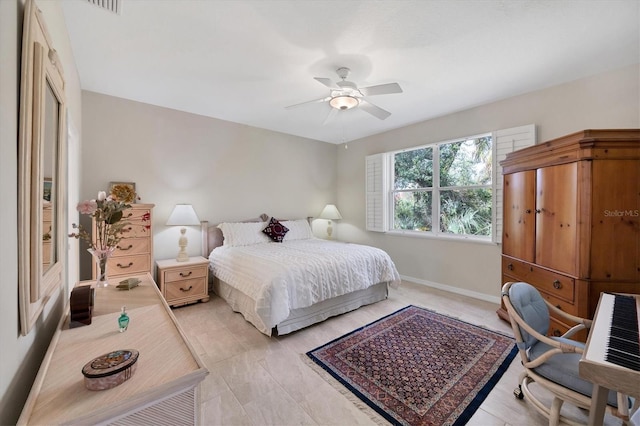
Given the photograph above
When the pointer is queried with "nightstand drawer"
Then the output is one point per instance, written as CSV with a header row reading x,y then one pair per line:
x,y
185,273
174,291
129,264
130,246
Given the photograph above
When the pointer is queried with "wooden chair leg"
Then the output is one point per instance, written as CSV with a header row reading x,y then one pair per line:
x,y
554,415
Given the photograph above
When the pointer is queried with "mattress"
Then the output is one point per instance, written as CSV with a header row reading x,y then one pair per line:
x,y
280,278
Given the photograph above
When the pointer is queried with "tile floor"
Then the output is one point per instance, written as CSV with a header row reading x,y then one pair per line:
x,y
258,380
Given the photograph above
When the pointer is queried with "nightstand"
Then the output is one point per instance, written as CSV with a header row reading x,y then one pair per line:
x,y
184,282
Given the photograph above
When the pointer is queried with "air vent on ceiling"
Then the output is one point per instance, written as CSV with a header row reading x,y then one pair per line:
x,y
114,6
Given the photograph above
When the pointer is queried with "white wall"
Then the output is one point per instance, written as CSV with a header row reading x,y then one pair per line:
x,y
609,100
227,171
21,356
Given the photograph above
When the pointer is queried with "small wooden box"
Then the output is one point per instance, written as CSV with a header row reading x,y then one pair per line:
x,y
109,370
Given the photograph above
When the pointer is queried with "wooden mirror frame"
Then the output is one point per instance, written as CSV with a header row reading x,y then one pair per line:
x,y
41,75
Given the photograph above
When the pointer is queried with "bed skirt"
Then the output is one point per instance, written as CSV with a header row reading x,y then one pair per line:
x,y
303,317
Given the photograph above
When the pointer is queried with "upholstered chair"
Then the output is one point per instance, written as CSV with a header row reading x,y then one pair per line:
x,y
551,362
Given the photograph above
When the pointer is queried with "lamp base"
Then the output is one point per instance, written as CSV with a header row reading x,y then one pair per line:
x,y
329,230
182,256
182,243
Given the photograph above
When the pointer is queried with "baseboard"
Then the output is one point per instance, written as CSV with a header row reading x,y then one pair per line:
x,y
456,290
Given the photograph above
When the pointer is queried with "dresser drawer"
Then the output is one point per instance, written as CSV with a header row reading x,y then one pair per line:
x,y
136,230
554,284
138,215
558,328
185,273
131,246
189,289
563,305
129,265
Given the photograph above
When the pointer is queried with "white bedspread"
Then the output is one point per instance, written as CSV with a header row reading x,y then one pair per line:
x,y
297,274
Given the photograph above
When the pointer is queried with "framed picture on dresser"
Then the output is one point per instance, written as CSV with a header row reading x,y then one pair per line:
x,y
126,191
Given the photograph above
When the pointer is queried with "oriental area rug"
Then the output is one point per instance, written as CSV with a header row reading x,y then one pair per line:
x,y
418,367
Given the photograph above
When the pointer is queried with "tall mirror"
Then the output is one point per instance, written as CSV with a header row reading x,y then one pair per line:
x,y
42,186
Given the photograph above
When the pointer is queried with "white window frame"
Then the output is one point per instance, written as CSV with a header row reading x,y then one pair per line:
x,y
379,184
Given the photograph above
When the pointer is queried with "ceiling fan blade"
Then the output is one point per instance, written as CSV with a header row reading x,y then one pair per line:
x,y
382,89
315,101
374,110
330,116
327,82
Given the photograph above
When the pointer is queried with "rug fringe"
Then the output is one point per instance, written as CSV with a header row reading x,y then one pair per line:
x,y
373,415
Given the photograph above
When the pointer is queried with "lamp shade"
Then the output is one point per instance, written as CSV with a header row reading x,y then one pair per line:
x,y
183,215
330,212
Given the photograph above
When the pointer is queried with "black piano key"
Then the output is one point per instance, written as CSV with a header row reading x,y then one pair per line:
x,y
623,360
624,346
624,334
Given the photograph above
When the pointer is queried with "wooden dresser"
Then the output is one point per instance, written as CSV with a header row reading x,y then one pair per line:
x,y
572,219
134,253
163,390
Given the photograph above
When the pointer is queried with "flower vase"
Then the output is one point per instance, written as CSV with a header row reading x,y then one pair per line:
x,y
101,258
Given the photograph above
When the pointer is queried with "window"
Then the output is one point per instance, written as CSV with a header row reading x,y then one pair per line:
x,y
444,188
451,188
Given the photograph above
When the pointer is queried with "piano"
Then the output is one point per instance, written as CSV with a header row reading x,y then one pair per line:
x,y
611,358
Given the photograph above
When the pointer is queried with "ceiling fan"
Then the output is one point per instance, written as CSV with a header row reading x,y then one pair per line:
x,y
346,95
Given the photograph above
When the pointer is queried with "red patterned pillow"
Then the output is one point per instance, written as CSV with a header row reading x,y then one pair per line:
x,y
275,230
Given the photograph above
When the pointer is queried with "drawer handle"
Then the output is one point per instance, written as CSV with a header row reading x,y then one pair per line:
x,y
125,249
125,267
510,266
127,229
559,307
556,332
557,285
186,289
528,211
538,211
183,275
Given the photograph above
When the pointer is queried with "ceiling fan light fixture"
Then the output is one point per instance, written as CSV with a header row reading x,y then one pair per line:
x,y
344,102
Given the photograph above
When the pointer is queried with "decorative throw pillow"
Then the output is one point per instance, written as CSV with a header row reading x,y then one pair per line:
x,y
242,233
275,230
298,230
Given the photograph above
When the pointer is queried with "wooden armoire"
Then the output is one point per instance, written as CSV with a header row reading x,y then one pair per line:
x,y
572,219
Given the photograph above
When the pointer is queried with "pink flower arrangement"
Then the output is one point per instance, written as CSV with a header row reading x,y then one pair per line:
x,y
87,206
107,212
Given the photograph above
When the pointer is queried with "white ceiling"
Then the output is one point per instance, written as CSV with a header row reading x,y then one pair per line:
x,y
245,61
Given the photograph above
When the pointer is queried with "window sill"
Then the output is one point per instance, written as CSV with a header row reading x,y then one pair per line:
x,y
452,238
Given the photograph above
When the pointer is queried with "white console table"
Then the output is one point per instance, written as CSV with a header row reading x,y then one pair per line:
x,y
163,390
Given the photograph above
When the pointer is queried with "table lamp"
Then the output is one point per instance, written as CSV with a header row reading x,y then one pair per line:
x,y
183,215
330,212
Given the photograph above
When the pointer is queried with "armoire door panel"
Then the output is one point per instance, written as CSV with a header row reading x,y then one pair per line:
x,y
518,239
556,221
616,221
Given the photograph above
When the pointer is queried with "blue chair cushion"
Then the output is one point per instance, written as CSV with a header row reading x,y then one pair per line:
x,y
531,307
563,369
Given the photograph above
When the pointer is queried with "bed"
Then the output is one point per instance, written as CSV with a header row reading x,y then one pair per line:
x,y
282,283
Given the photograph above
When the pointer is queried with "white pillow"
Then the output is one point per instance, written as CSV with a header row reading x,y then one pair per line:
x,y
243,233
298,230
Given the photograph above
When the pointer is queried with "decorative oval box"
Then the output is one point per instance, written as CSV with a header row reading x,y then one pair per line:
x,y
109,370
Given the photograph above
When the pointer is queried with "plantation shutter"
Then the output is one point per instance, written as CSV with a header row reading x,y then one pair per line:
x,y
504,142
375,181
